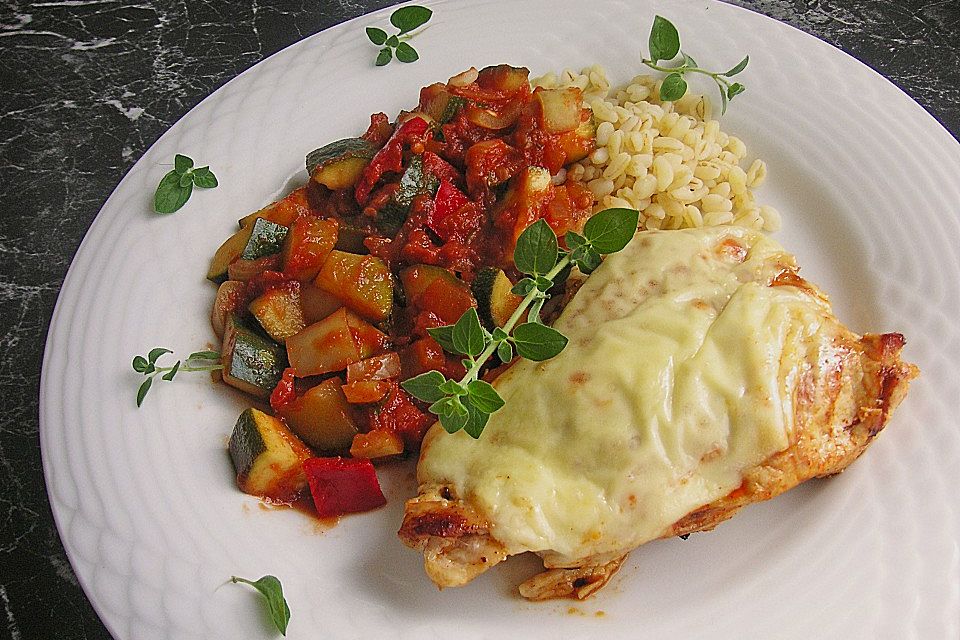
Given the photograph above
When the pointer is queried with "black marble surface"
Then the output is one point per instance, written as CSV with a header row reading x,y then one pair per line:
x,y
87,85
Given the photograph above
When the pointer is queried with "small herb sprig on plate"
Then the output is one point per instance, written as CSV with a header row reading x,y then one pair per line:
x,y
405,19
147,365
664,43
175,188
272,591
468,403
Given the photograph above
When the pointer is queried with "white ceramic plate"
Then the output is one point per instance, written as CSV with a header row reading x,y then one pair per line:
x,y
145,501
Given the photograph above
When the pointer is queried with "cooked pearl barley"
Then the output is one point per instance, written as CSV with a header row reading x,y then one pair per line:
x,y
669,160
738,180
707,171
600,156
757,173
617,166
603,133
663,170
692,216
600,187
771,218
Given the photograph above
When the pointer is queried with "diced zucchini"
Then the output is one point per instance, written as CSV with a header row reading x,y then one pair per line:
x,y
267,457
251,363
437,290
306,247
323,346
503,78
559,108
440,104
226,254
578,144
266,239
523,203
413,182
378,443
419,277
495,300
279,311
339,164
317,304
230,298
322,417
245,270
350,238
284,211
370,341
362,283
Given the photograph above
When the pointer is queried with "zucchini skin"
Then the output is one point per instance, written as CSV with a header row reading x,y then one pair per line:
x,y
339,164
266,239
414,181
338,150
229,251
495,300
254,364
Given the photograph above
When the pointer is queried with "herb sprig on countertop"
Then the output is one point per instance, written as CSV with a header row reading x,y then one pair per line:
x,y
405,19
468,403
176,187
147,365
664,44
272,591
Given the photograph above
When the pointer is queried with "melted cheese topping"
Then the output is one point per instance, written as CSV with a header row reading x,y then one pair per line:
x,y
677,378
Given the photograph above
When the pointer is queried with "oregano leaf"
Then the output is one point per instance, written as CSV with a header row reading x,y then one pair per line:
x,y
272,591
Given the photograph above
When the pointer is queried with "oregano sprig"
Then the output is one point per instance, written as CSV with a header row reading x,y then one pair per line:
x,y
176,187
272,591
147,365
405,19
664,44
468,403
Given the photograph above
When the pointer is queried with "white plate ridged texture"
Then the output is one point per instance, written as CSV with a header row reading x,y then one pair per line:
x,y
868,186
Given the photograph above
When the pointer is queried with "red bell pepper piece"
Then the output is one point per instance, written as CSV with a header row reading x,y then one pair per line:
x,y
343,485
390,157
447,201
285,392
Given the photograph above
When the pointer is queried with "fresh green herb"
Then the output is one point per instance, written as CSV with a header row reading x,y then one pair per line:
x,y
405,19
272,591
175,188
147,365
467,404
664,44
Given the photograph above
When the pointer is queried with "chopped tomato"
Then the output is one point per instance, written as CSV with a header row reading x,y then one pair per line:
x,y
398,413
285,392
379,130
390,157
490,163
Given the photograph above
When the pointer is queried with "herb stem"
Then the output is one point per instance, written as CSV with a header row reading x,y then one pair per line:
x,y
716,76
212,367
473,373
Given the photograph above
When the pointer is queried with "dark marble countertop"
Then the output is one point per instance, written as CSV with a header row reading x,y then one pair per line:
x,y
88,85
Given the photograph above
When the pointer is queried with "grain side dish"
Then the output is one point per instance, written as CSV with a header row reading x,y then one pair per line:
x,y
669,160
